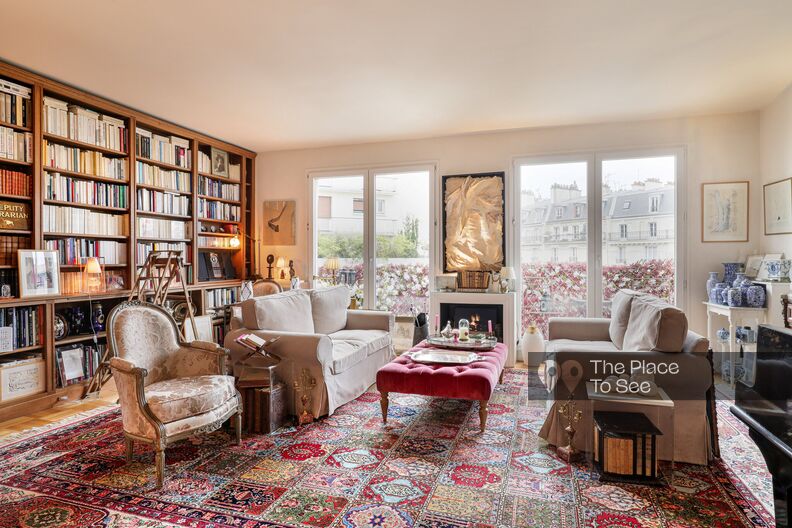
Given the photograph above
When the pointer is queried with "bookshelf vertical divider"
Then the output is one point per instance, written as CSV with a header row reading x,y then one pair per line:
x,y
40,87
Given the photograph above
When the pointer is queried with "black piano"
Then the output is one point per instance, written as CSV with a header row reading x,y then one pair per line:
x,y
763,400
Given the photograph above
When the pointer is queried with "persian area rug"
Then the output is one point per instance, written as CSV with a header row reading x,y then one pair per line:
x,y
429,467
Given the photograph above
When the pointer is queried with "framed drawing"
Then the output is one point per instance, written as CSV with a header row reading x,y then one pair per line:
x,y
279,223
778,207
724,211
39,273
219,162
474,208
752,265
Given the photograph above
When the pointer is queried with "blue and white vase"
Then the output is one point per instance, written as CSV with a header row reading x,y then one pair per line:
x,y
711,282
738,280
730,270
756,296
734,297
723,334
715,293
778,269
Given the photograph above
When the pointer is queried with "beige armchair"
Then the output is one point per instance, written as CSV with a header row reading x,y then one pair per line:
x,y
168,389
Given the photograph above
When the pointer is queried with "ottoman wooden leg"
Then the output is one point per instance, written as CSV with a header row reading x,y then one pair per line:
x,y
483,413
384,405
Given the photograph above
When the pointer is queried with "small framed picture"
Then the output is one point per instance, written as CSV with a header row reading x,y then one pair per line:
x,y
39,273
752,265
219,162
724,212
778,207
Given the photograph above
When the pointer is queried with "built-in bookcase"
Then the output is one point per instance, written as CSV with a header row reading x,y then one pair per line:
x,y
96,178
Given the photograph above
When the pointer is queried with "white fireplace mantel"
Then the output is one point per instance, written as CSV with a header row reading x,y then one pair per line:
x,y
507,300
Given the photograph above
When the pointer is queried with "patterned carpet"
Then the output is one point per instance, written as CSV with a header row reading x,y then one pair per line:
x,y
428,467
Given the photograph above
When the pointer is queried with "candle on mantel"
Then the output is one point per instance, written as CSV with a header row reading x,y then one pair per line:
x,y
437,323
489,326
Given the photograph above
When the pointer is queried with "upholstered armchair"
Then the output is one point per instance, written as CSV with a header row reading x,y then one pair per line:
x,y
168,389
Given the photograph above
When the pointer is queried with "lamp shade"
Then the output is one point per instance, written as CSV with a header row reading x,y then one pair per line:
x,y
332,264
281,263
92,266
507,272
234,242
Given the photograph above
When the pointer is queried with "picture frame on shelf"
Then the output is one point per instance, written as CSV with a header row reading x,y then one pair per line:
x,y
39,272
752,265
778,207
725,211
219,162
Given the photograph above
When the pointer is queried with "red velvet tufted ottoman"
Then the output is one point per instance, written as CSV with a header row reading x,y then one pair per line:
x,y
475,381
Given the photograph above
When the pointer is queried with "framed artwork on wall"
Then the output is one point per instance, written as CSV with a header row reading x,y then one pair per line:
x,y
279,223
39,273
219,162
724,211
778,207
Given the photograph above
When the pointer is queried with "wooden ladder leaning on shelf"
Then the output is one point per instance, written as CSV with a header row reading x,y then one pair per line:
x,y
152,285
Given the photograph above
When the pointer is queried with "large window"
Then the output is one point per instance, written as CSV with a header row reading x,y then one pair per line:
x,y
385,234
631,220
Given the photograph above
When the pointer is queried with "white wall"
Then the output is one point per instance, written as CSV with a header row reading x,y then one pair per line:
x,y
775,135
718,148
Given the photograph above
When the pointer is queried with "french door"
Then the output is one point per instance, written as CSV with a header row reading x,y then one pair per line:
x,y
375,226
591,224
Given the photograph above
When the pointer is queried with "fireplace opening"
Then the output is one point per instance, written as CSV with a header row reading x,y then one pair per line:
x,y
477,314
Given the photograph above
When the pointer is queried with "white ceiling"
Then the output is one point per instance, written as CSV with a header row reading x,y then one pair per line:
x,y
284,74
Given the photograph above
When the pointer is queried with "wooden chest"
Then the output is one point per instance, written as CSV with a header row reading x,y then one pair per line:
x,y
264,408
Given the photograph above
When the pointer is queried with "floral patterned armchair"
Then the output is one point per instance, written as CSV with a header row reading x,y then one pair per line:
x,y
168,389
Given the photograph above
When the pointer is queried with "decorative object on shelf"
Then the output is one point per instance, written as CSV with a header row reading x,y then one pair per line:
x,y
738,280
115,282
734,297
712,281
97,317
507,276
281,265
715,292
730,270
305,384
93,276
473,222
464,330
219,162
292,272
532,342
777,269
446,282
14,216
752,265
755,296
778,207
245,290
333,265
568,453
5,290
280,228
448,331
60,327
724,211
39,273
179,309
723,334
786,310
478,342
295,283
76,318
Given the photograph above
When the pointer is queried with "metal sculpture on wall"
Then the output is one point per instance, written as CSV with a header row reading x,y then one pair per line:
x,y
473,226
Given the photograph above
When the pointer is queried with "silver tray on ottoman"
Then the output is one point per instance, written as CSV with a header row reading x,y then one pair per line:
x,y
448,357
479,344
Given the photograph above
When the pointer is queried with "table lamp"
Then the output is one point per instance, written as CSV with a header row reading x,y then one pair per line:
x,y
281,264
506,276
332,264
93,275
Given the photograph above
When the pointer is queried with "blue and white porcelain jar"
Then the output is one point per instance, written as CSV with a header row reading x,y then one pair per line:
x,y
738,280
756,296
717,292
730,270
734,297
711,282
723,334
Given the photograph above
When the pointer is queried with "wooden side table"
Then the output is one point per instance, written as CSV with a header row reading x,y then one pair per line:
x,y
737,316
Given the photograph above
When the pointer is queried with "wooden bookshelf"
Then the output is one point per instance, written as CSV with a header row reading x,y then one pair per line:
x,y
35,237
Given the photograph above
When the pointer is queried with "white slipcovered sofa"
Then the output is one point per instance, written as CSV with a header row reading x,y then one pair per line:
x,y
342,349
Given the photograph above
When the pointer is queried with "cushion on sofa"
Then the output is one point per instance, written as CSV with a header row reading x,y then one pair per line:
x,y
347,354
286,312
655,325
573,345
329,307
373,339
620,315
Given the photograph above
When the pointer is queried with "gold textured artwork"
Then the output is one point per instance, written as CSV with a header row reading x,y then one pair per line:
x,y
473,223
280,228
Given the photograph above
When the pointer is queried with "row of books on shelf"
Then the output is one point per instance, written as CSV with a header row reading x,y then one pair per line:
x,y
219,297
77,362
72,251
158,177
15,182
166,149
73,281
9,283
162,202
14,145
218,189
81,124
69,189
14,103
9,244
233,170
143,249
77,221
218,210
214,242
79,160
21,327
162,228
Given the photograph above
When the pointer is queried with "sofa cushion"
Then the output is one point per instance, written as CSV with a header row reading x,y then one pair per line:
x,y
180,398
347,354
573,345
620,315
286,312
329,307
655,325
374,340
